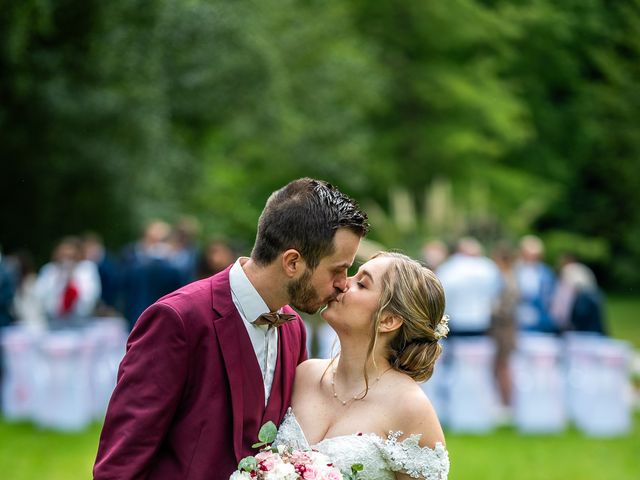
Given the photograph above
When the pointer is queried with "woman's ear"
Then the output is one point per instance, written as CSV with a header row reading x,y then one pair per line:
x,y
390,323
292,263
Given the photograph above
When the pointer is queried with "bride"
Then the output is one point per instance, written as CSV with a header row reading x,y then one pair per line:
x,y
364,406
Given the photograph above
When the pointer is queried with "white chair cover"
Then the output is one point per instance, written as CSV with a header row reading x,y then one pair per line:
x,y
63,392
18,378
538,384
107,338
600,394
472,393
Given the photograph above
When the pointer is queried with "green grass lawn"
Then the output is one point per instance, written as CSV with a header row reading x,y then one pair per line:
x,y
27,453
506,455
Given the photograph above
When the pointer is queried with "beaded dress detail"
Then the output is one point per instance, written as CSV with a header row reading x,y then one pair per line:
x,y
381,457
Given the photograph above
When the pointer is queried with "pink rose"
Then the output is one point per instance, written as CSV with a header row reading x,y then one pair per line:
x,y
266,461
311,473
263,456
266,465
333,475
300,458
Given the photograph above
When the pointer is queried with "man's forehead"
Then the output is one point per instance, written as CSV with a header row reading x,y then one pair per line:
x,y
345,246
335,262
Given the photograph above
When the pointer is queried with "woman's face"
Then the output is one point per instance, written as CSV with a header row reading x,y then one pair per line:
x,y
352,311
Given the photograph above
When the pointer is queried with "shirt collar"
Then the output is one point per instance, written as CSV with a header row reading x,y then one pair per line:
x,y
247,297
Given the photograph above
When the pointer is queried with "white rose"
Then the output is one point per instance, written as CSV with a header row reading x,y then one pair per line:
x,y
240,476
282,471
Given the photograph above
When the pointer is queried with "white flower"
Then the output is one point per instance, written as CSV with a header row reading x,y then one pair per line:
x,y
240,476
282,471
442,329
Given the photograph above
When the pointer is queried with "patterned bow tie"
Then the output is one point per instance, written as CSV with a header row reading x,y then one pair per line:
x,y
274,318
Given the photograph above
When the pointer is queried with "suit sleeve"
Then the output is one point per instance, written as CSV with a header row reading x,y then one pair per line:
x,y
151,380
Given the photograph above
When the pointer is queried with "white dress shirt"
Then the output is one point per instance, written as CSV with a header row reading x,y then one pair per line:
x,y
53,279
471,285
264,338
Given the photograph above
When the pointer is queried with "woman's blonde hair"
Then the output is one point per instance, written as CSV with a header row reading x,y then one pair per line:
x,y
413,293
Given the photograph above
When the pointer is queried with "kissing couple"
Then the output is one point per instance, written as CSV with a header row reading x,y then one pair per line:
x,y
207,365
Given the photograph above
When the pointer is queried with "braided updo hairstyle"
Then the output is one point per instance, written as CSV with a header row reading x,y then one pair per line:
x,y
413,293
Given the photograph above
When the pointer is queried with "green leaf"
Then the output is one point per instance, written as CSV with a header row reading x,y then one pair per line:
x,y
248,464
357,467
267,433
258,445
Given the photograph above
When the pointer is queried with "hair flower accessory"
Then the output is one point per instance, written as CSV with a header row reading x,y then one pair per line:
x,y
442,329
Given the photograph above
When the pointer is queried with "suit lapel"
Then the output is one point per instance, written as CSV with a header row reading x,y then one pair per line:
x,y
230,347
230,333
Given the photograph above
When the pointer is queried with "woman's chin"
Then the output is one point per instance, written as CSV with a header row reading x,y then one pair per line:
x,y
327,309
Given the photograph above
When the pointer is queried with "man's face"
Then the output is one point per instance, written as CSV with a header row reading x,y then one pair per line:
x,y
315,288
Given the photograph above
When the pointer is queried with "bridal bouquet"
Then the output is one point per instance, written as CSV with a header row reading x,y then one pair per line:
x,y
283,463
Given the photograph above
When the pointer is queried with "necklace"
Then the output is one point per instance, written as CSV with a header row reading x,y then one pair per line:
x,y
356,396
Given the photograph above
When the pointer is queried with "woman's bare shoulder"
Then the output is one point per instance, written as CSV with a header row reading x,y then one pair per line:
x,y
413,413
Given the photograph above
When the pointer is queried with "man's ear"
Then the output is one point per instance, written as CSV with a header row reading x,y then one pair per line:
x,y
292,263
390,323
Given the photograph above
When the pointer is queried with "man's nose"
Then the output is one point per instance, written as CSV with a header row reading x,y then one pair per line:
x,y
342,283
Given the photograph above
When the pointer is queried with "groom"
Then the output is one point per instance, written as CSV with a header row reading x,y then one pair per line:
x,y
204,369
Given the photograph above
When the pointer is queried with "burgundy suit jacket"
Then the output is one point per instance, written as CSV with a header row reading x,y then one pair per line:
x,y
189,400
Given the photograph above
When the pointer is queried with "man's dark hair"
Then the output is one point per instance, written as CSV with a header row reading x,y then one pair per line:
x,y
305,215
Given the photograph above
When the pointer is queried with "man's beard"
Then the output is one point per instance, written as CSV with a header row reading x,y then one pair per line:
x,y
303,296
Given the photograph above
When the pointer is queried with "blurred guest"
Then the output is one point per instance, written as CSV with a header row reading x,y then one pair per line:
x,y
108,270
216,256
578,303
471,284
563,295
185,250
434,253
7,291
148,272
68,287
28,309
536,283
503,322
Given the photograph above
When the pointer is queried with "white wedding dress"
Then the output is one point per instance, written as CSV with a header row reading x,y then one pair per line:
x,y
380,457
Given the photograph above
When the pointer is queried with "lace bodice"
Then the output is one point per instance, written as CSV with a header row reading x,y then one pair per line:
x,y
380,457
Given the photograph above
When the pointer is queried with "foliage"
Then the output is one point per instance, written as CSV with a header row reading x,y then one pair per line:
x,y
266,435
585,58
621,315
81,126
523,114
448,210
